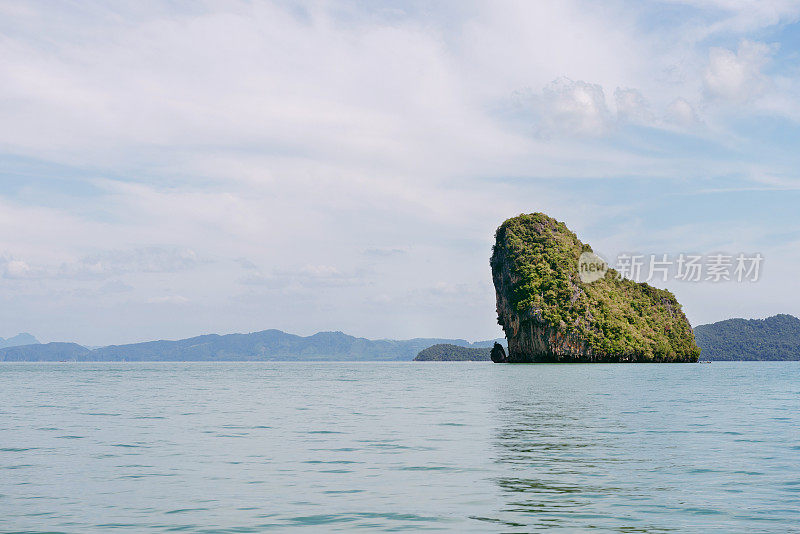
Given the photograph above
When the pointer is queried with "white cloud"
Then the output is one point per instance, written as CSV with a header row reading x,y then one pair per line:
x,y
303,279
13,268
342,154
115,286
105,264
168,299
737,76
573,107
745,15
682,113
632,106
152,259
320,271
383,252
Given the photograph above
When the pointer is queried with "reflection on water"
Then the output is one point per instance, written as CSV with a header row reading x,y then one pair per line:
x,y
638,448
467,447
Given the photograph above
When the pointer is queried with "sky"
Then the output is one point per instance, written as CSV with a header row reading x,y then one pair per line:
x,y
179,168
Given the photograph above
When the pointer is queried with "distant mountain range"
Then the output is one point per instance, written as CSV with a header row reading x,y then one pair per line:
x,y
20,339
268,345
774,338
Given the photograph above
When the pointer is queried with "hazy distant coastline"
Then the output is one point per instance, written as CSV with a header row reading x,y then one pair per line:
x,y
267,345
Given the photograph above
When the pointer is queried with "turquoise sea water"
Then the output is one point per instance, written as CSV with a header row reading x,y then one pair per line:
x,y
253,447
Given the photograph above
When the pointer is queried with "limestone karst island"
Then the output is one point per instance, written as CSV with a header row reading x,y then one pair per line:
x,y
549,315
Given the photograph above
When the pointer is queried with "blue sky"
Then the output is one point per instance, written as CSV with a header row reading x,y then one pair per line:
x,y
191,167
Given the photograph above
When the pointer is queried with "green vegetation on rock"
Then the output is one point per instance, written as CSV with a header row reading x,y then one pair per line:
x,y
774,338
548,314
444,352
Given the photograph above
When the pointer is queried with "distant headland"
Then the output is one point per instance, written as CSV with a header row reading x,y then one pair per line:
x,y
772,339
446,352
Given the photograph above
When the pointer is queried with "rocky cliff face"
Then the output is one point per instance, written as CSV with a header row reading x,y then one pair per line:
x,y
498,354
548,314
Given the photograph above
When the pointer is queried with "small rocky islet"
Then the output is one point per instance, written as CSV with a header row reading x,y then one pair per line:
x,y
447,352
549,315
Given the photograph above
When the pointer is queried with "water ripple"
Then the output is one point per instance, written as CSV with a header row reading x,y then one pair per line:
x,y
254,447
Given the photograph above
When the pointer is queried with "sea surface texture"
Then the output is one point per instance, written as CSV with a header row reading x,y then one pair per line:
x,y
464,447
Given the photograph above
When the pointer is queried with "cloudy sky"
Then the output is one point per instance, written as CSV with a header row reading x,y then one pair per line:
x,y
195,167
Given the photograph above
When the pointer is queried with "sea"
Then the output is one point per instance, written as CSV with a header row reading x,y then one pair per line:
x,y
371,447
